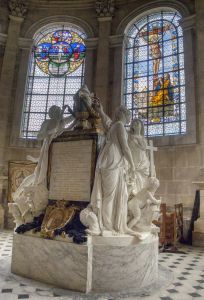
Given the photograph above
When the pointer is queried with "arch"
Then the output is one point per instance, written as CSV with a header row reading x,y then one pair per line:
x,y
148,8
39,25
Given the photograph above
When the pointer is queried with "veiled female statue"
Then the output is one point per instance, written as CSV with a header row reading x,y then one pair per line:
x,y
110,196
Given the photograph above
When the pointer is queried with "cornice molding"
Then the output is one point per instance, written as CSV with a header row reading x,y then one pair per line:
x,y
104,19
54,4
16,19
116,40
188,22
91,43
25,43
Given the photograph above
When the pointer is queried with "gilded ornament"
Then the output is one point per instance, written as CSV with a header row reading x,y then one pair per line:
x,y
57,216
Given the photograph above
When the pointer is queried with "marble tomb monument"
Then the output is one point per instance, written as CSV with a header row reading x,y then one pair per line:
x,y
84,217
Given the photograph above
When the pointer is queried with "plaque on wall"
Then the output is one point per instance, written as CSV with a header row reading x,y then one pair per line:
x,y
17,171
72,167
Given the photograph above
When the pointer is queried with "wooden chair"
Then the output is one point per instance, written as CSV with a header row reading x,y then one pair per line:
x,y
171,226
179,221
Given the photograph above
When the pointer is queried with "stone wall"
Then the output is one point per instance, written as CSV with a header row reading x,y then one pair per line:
x,y
177,164
176,168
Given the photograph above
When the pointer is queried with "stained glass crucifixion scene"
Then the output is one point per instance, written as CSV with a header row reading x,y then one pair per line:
x,y
154,74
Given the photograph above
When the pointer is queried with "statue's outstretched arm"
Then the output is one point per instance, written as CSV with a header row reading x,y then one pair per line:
x,y
106,121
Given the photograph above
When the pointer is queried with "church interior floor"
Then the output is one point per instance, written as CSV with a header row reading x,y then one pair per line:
x,y
188,283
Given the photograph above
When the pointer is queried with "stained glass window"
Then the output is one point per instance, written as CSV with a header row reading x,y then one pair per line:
x,y
154,80
55,74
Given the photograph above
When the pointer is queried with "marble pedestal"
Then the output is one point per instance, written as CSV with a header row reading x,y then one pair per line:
x,y
104,264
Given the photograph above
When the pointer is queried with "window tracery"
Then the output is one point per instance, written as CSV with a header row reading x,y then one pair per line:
x,y
154,80
56,73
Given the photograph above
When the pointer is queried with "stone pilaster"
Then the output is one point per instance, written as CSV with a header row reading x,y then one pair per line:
x,y
91,44
8,70
17,11
198,234
199,50
188,26
104,10
117,44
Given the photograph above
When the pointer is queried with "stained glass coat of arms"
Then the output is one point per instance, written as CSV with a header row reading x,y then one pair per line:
x,y
154,74
60,52
55,73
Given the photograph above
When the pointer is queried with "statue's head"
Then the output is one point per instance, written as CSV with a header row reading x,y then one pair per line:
x,y
123,114
55,112
137,127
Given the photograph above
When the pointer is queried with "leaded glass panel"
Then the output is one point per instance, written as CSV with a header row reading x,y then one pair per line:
x,y
154,78
55,74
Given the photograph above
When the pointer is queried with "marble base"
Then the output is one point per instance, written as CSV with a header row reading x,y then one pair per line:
x,y
55,262
102,265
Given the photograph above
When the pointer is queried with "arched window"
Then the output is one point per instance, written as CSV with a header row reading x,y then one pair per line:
x,y
154,81
56,72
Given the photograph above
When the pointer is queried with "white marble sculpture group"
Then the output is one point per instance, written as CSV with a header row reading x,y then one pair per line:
x,y
122,199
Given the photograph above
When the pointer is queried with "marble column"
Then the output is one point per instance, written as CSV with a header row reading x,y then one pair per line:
x,y
7,78
102,65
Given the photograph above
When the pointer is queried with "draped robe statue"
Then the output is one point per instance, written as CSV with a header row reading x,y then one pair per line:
x,y
31,197
143,207
109,197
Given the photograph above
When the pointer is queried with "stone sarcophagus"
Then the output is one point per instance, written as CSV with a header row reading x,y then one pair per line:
x,y
71,166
